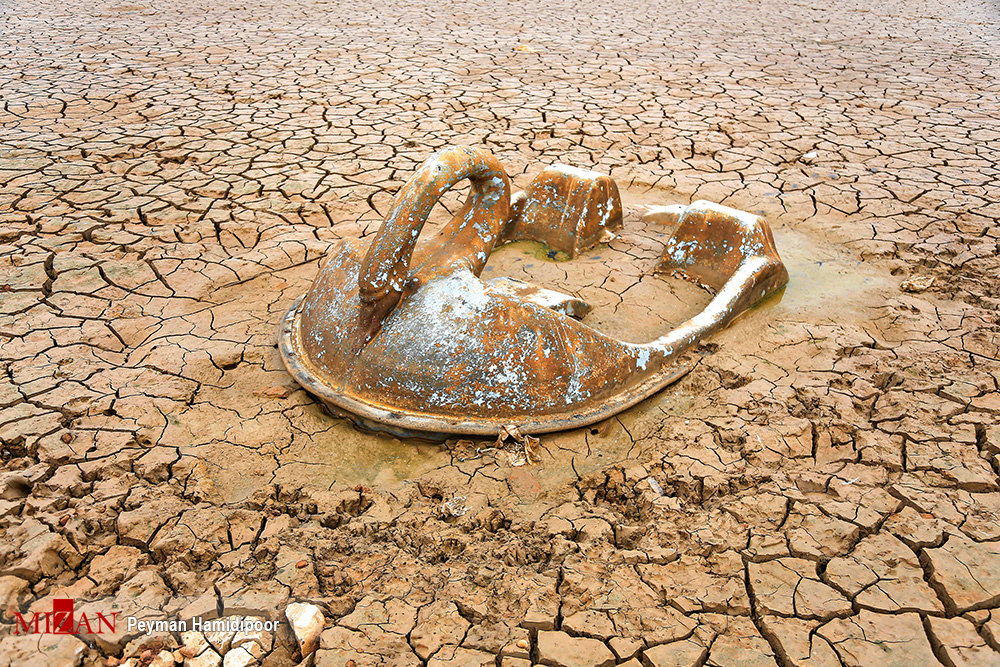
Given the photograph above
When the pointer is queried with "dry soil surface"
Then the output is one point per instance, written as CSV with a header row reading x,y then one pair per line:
x,y
820,490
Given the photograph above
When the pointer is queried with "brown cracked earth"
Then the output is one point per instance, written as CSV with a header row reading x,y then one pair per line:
x,y
820,490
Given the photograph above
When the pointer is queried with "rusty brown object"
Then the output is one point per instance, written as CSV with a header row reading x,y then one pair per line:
x,y
570,210
416,344
731,253
465,242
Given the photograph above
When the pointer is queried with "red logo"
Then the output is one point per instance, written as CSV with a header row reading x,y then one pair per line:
x,y
62,620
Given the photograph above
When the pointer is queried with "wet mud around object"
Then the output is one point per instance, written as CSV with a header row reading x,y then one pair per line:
x,y
629,300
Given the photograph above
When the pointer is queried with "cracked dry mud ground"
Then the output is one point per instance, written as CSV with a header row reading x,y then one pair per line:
x,y
171,174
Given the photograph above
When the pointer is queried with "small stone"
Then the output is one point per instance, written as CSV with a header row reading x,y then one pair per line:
x,y
516,648
307,624
917,284
301,564
66,437
453,508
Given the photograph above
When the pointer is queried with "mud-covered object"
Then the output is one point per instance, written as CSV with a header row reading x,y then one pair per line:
x,y
417,344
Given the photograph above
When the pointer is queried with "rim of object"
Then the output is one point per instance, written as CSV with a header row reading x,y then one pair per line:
x,y
406,423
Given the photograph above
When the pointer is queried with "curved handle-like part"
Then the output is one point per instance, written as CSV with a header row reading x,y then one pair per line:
x,y
467,240
729,251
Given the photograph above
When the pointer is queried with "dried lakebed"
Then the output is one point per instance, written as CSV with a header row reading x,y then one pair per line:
x,y
820,490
